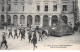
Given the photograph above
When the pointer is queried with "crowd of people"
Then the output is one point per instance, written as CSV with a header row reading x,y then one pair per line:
x,y
32,36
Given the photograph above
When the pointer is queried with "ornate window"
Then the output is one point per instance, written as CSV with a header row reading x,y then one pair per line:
x,y
64,7
22,19
2,18
37,20
2,8
54,7
46,7
38,7
9,7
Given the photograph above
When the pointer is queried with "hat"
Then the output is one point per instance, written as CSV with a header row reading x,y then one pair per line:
x,y
3,32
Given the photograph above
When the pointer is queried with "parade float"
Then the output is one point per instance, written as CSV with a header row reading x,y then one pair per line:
x,y
60,29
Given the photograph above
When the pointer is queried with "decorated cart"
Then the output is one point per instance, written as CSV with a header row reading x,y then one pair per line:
x,y
60,29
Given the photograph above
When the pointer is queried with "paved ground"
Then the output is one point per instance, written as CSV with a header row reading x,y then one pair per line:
x,y
69,42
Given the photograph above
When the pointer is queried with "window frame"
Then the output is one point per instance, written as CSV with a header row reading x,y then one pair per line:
x,y
54,7
64,7
38,7
46,8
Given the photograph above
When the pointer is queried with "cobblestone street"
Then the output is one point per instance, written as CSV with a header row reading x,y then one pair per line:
x,y
70,41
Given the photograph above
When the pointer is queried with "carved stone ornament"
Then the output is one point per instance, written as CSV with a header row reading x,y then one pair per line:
x,y
29,1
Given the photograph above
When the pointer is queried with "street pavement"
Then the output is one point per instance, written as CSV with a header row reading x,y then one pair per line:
x,y
51,43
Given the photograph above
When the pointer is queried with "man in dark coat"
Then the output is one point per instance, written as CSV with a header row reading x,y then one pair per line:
x,y
43,32
22,34
4,40
34,40
29,36
15,35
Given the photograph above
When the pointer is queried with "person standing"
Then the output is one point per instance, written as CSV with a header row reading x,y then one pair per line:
x,y
43,32
15,35
19,31
4,40
10,33
30,36
22,34
34,41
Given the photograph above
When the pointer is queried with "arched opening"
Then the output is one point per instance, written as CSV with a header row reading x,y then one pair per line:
x,y
22,19
15,20
8,19
29,20
54,19
2,18
45,21
65,19
37,20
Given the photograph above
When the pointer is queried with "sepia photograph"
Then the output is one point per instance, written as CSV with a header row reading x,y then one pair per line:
x,y
39,24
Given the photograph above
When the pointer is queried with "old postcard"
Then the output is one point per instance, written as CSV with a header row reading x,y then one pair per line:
x,y
39,25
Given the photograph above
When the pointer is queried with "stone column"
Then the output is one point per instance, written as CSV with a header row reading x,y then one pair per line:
x,y
11,19
5,18
33,20
50,20
19,20
41,21
26,20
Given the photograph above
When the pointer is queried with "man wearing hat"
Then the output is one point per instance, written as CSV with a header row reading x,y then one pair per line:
x,y
4,40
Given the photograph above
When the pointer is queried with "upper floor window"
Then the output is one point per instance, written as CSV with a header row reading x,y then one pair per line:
x,y
16,0
38,7
9,7
64,7
9,0
22,0
3,1
46,8
23,8
54,7
2,8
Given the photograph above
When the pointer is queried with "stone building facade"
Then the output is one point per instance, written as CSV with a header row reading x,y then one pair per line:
x,y
40,13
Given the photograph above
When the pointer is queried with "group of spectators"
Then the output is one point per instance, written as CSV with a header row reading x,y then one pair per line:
x,y
32,35
37,33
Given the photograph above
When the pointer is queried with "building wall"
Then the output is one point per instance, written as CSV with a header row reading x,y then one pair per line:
x,y
0,9
30,8
79,16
